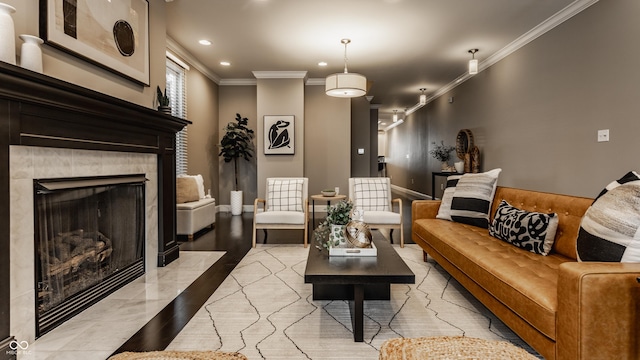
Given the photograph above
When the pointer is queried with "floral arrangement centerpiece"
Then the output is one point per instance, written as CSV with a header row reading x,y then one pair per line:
x,y
338,216
442,153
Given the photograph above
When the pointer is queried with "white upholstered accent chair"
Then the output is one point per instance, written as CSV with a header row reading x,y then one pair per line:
x,y
373,195
286,206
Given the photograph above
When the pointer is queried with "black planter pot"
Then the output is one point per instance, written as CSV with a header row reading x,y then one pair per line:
x,y
165,109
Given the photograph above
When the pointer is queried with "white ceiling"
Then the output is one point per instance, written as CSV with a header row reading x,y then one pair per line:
x,y
399,45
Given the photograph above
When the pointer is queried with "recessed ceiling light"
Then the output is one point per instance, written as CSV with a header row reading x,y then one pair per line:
x,y
225,63
322,63
204,42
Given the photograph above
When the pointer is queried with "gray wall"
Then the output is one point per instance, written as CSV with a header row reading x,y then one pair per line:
x,y
536,113
232,100
203,133
361,138
327,163
280,97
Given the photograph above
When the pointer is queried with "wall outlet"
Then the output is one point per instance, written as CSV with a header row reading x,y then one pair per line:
x,y
603,135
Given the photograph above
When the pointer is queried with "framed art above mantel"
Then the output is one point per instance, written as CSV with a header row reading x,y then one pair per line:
x,y
113,34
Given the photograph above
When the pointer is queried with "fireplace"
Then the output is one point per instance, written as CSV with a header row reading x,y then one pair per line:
x,y
53,129
89,242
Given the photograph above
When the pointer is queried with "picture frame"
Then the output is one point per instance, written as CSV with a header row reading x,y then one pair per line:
x,y
279,134
113,35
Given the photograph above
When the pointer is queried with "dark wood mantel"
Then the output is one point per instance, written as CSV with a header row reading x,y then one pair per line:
x,y
37,110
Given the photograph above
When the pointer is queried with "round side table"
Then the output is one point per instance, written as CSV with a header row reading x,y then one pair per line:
x,y
321,197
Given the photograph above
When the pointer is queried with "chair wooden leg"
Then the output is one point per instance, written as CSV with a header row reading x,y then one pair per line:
x,y
391,236
265,235
424,256
401,235
306,234
253,242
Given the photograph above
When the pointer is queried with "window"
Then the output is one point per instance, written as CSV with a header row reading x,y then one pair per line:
x,y
177,92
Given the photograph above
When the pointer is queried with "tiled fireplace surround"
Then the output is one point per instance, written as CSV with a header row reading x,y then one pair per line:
x,y
27,163
52,129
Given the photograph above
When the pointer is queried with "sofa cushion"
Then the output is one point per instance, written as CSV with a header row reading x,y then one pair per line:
x,y
610,229
186,190
472,198
532,231
523,281
371,194
284,195
280,217
382,217
444,211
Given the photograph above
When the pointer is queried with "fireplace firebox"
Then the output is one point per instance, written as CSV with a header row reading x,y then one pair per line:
x,y
89,242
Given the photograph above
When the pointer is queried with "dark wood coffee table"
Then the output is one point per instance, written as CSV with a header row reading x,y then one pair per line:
x,y
356,279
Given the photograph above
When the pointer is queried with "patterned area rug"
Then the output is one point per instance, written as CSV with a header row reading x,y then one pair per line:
x,y
266,311
179,355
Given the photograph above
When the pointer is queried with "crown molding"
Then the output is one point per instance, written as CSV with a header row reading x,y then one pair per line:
x,y
238,82
280,74
315,81
558,18
178,50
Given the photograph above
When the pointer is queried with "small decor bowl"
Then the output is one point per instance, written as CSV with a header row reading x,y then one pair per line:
x,y
328,192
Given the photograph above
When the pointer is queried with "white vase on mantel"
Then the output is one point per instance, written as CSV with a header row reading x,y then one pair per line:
x,y
31,53
7,34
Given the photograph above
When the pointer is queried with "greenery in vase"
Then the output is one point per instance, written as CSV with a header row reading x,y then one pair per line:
x,y
237,143
339,214
163,99
441,152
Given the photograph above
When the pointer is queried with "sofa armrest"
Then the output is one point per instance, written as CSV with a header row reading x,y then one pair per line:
x,y
424,209
598,311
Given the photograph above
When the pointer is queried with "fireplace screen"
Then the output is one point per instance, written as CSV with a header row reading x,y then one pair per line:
x,y
89,242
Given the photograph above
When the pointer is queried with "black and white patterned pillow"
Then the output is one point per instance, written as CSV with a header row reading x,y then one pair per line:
x,y
444,211
371,194
472,198
531,231
284,195
610,229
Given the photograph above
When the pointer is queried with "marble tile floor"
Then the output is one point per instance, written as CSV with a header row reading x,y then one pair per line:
x,y
101,329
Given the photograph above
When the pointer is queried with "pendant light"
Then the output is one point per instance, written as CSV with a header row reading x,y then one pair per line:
x,y
423,97
346,84
473,63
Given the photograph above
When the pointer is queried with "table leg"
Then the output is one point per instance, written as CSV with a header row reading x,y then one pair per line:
x,y
356,307
433,186
313,211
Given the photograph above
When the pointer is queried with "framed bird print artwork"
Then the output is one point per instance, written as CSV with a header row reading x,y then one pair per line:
x,y
279,134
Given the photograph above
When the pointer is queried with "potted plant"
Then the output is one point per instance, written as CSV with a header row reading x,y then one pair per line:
x,y
236,143
330,232
163,101
442,153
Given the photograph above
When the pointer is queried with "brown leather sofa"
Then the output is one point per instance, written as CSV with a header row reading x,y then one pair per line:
x,y
563,308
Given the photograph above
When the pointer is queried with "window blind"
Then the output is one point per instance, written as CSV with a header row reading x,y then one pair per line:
x,y
177,93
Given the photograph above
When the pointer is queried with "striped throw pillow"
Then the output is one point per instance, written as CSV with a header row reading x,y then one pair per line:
x,y
610,229
444,211
472,198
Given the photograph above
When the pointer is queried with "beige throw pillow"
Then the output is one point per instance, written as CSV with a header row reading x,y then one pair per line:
x,y
186,190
